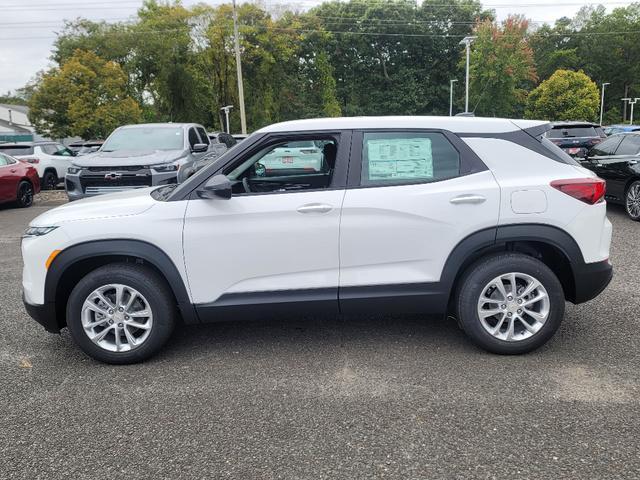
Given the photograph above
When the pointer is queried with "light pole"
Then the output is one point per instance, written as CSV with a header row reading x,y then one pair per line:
x,y
226,114
236,40
631,102
451,82
602,101
467,41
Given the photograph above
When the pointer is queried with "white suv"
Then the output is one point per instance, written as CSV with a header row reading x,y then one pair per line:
x,y
482,219
50,159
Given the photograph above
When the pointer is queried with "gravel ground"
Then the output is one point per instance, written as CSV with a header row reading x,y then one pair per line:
x,y
313,398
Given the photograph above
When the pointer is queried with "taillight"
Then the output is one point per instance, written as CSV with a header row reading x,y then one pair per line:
x,y
30,160
587,190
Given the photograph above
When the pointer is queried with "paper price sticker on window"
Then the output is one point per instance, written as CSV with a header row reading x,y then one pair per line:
x,y
401,158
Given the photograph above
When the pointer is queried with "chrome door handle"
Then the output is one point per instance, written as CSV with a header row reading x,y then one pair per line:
x,y
315,208
473,199
633,162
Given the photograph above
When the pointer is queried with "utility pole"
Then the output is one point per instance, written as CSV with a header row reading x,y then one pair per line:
x,y
631,102
602,101
467,41
451,82
243,118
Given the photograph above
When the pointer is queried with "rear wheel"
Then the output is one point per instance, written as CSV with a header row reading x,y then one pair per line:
x,y
24,197
121,313
510,303
49,180
632,201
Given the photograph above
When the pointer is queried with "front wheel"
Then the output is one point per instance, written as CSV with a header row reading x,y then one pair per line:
x,y
121,313
632,201
510,303
49,180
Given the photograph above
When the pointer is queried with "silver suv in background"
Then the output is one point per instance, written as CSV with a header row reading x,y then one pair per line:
x,y
137,156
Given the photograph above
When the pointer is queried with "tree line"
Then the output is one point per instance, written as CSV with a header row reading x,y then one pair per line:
x,y
361,57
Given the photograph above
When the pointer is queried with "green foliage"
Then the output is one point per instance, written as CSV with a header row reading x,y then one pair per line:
x,y
502,69
85,97
566,95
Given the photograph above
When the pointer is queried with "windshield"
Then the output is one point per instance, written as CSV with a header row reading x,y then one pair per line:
x,y
564,132
145,138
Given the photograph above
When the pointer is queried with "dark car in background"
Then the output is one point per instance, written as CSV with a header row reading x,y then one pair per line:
x,y
19,181
617,161
575,138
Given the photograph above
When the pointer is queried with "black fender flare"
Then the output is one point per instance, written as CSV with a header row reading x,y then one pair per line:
x,y
121,247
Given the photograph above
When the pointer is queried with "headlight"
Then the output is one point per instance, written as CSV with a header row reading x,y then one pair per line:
x,y
169,167
73,170
37,231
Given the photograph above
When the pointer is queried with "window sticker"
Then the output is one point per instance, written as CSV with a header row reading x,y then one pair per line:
x,y
400,158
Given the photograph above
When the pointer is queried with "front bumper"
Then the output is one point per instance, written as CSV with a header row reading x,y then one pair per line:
x,y
591,279
45,315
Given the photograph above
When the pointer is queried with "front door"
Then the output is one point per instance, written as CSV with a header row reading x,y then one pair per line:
x,y
276,240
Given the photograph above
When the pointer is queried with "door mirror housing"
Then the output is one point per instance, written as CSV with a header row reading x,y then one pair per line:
x,y
200,147
218,186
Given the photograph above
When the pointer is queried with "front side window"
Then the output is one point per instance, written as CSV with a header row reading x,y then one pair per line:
x,y
3,160
407,157
286,166
145,139
193,137
204,138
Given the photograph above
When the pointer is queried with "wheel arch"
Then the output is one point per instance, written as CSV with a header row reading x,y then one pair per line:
x,y
78,260
549,244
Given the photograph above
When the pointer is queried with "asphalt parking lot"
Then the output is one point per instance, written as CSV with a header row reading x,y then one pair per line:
x,y
313,398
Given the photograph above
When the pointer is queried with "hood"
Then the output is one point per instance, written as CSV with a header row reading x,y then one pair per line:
x,y
128,158
133,202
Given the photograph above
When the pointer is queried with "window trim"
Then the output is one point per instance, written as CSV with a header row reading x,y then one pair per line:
x,y
338,180
470,163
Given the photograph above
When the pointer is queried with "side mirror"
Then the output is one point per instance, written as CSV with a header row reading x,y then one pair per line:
x,y
200,147
218,186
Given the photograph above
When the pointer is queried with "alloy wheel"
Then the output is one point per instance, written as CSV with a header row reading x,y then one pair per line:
x,y
117,318
633,201
513,307
25,195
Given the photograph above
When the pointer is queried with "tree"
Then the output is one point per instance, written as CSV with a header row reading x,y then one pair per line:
x,y
566,95
85,97
502,69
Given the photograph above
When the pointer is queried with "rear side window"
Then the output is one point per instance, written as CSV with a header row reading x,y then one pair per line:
x,y
407,157
16,150
630,145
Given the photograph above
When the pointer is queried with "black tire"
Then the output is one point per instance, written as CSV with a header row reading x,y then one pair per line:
x,y
49,180
145,281
634,189
24,197
480,274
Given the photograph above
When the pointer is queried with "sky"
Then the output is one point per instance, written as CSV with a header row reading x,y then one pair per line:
x,y
28,27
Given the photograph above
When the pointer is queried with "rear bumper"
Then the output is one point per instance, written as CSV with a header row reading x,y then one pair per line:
x,y
45,315
591,279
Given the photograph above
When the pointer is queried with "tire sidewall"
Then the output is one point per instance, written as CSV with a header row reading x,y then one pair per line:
x,y
149,285
480,274
626,208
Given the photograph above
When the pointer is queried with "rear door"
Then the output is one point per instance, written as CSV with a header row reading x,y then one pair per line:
x,y
412,197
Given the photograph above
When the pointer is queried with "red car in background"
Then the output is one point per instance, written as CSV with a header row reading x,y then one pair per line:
x,y
19,181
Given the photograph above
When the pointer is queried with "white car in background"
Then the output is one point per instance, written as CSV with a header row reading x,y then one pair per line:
x,y
50,159
304,156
